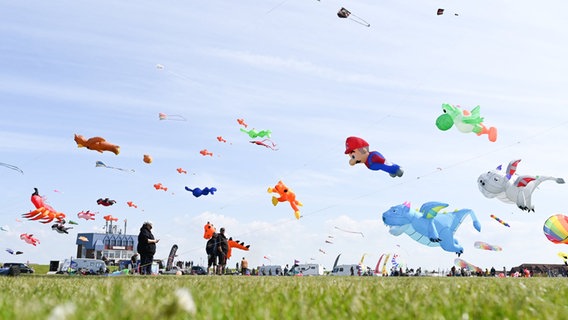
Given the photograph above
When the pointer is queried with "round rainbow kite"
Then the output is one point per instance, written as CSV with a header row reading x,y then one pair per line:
x,y
556,228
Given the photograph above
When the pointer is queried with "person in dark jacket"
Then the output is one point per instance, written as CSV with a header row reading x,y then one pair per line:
x,y
222,250
211,249
146,247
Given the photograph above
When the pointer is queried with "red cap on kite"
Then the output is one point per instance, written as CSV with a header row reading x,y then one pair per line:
x,y
353,143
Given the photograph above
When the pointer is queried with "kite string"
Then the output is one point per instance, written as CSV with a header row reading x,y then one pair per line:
x,y
276,6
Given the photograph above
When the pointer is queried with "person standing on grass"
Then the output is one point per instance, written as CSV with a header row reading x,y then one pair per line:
x,y
222,250
146,247
211,249
244,266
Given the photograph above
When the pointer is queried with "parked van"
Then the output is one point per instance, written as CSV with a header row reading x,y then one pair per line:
x,y
346,270
309,269
90,265
274,270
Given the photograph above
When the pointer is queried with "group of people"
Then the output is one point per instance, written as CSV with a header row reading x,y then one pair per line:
x,y
217,248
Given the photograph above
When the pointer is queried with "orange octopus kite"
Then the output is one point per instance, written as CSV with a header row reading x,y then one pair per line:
x,y
286,194
43,213
96,143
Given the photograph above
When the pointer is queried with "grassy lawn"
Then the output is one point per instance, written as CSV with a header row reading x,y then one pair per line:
x,y
242,297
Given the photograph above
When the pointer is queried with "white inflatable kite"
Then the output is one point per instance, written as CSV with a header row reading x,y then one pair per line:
x,y
494,184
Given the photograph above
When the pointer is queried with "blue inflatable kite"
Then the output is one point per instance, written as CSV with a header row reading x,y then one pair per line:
x,y
429,226
197,192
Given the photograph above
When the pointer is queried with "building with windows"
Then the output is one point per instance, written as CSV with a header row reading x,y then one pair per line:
x,y
113,244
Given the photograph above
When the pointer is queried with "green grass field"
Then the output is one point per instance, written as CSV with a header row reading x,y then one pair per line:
x,y
245,297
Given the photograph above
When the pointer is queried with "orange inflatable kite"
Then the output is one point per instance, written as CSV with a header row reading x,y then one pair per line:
x,y
110,218
131,204
285,194
209,231
43,213
206,152
242,122
159,186
96,143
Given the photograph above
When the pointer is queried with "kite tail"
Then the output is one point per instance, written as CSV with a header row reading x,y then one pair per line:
x,y
359,20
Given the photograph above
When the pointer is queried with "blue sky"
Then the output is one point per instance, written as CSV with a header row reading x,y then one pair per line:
x,y
311,78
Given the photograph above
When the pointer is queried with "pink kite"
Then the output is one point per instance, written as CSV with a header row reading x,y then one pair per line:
x,y
29,238
87,215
